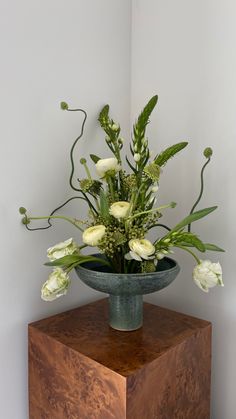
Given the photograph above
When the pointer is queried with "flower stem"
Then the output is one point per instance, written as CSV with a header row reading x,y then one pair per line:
x,y
189,251
70,220
201,191
151,210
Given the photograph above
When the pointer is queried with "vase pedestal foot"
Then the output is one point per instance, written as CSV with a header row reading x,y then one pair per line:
x,y
126,312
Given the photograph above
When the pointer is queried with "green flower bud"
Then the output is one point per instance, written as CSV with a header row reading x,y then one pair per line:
x,y
64,106
83,160
152,171
173,204
115,127
22,210
208,152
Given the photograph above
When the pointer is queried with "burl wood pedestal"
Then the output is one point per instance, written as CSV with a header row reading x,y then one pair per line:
x,y
80,368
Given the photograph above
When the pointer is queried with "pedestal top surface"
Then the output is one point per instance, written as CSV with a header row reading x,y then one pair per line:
x,y
86,330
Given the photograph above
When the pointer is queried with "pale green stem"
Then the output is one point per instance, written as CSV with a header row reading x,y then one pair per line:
x,y
87,171
109,181
150,211
189,251
70,220
83,246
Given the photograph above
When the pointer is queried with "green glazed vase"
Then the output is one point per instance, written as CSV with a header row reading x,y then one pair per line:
x,y
126,290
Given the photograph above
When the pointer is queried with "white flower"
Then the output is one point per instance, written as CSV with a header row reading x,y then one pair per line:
x,y
137,157
56,285
207,274
62,249
119,209
105,165
92,235
140,249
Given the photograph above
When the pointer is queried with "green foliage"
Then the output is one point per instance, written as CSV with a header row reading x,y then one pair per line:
x,y
94,158
104,205
143,118
103,116
213,247
191,239
77,259
167,154
193,217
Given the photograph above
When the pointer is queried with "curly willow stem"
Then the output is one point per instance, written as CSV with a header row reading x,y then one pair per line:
x,y
52,213
72,159
201,191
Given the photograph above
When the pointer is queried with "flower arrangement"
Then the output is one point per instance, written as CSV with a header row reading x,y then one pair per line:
x,y
122,210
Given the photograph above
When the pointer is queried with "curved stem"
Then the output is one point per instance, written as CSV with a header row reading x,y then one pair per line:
x,y
52,213
72,159
74,144
201,191
70,220
150,211
160,225
189,251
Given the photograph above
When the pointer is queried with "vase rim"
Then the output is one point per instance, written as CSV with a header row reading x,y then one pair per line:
x,y
137,275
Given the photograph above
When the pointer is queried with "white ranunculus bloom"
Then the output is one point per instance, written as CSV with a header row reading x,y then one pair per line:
x,y
62,249
105,165
119,209
92,235
56,285
207,274
140,249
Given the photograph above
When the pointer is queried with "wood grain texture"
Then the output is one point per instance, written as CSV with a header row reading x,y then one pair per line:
x,y
64,384
81,368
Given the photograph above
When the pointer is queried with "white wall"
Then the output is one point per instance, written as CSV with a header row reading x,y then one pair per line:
x,y
54,50
185,51
79,51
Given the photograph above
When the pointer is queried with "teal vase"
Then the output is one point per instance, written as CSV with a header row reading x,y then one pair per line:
x,y
126,290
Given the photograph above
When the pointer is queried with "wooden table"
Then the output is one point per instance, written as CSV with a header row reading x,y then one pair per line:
x,y
81,368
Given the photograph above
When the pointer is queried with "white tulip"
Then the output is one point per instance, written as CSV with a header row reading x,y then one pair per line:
x,y
92,235
119,209
62,249
207,274
140,249
56,285
105,165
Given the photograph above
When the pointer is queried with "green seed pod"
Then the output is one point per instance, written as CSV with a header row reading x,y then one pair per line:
x,y
208,152
83,160
22,210
64,106
25,220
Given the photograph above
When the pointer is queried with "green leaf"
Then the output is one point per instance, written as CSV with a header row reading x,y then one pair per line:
x,y
76,260
143,118
193,217
64,261
213,247
94,158
130,165
167,154
191,239
104,205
